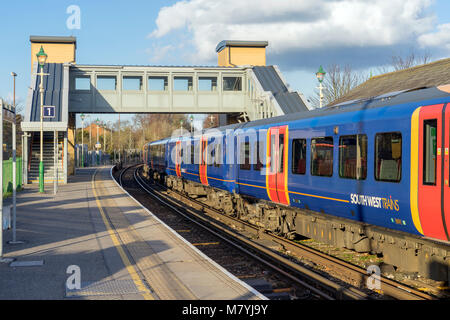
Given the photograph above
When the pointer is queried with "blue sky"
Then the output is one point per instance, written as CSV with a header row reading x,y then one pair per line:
x,y
301,34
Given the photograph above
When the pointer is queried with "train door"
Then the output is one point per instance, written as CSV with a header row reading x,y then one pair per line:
x,y
433,171
178,158
446,177
277,162
203,160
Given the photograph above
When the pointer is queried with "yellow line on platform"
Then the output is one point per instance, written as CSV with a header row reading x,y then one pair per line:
x,y
131,270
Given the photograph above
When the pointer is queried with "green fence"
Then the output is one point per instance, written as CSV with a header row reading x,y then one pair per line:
x,y
8,175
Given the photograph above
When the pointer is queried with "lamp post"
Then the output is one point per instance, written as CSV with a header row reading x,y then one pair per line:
x,y
14,240
82,139
110,127
97,122
320,75
42,58
191,118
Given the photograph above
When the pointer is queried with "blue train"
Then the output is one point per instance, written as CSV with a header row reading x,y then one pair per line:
x,y
352,175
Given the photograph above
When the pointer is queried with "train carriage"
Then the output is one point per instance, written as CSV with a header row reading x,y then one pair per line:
x,y
381,162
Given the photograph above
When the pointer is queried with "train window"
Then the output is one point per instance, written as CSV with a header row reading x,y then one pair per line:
x,y
299,156
322,156
429,152
388,156
245,156
281,153
353,157
258,165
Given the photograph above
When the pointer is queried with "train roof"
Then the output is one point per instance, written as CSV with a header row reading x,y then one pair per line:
x,y
385,100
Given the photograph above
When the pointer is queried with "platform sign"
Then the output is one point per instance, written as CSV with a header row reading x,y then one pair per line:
x,y
49,111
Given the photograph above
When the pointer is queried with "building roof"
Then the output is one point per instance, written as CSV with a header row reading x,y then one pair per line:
x,y
239,43
53,91
428,75
53,39
289,102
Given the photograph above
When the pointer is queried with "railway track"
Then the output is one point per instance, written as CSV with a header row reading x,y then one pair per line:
x,y
311,284
205,215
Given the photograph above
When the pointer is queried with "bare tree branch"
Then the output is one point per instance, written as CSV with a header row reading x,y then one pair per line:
x,y
337,82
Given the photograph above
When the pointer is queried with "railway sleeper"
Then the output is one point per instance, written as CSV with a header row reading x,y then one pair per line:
x,y
428,258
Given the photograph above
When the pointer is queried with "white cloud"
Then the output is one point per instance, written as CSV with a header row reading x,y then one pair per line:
x,y
296,27
437,39
158,53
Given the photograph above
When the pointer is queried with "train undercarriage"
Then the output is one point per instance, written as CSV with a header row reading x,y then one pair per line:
x,y
405,252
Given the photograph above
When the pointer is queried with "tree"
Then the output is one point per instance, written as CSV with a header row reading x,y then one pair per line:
x,y
401,62
211,121
338,81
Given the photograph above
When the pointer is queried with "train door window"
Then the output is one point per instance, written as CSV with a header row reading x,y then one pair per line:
x,y
245,155
272,153
353,157
192,152
281,153
388,156
258,165
322,156
218,155
429,152
203,152
181,153
299,156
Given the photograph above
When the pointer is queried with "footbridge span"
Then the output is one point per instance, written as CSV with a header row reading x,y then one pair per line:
x,y
250,91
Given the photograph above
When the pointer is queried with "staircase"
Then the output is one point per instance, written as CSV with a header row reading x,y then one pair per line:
x,y
48,155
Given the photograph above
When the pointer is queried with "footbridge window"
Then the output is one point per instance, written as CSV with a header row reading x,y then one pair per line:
x,y
232,84
157,83
132,83
106,83
83,83
207,84
182,83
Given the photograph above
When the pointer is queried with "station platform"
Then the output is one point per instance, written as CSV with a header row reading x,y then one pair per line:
x,y
92,233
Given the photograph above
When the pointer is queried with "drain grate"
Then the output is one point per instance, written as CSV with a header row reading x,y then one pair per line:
x,y
104,288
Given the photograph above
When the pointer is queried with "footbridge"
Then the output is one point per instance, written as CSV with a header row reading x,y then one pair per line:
x,y
249,91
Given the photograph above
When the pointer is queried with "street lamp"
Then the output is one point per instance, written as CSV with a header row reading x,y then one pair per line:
x,y
191,118
97,122
320,75
82,139
42,58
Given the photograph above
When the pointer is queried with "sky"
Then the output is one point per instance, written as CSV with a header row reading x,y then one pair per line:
x,y
302,34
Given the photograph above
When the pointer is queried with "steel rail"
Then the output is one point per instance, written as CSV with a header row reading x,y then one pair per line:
x,y
335,291
354,273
